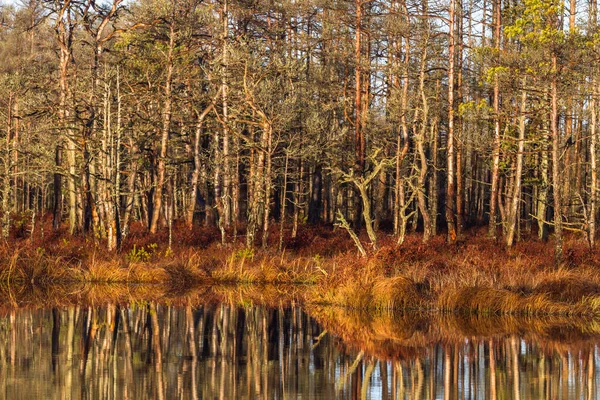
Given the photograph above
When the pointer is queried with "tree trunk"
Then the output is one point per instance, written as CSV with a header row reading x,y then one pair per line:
x,y
107,170
64,30
516,195
556,170
315,205
57,190
593,167
402,144
433,184
17,205
6,189
496,157
226,195
189,217
283,200
131,190
459,147
542,196
298,197
420,138
359,139
267,180
165,132
116,203
450,172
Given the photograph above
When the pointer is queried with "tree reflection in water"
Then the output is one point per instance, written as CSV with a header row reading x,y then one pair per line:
x,y
149,350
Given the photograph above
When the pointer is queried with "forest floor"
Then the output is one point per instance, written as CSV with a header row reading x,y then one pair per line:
x,y
321,266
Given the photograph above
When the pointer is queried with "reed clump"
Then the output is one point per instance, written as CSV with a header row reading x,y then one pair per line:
x,y
395,293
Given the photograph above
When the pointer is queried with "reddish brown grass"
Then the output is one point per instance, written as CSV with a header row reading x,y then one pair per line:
x,y
476,275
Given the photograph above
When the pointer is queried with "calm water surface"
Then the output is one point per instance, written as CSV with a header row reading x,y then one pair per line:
x,y
218,351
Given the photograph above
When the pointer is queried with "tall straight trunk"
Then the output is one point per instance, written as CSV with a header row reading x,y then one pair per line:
x,y
359,111
593,166
252,198
235,185
71,168
569,181
459,147
379,198
516,195
496,152
316,196
88,204
359,140
90,220
259,201
267,181
131,190
6,189
283,200
556,170
218,186
106,194
189,216
592,199
580,151
57,190
227,178
64,36
17,204
434,181
116,203
166,129
298,197
542,195
72,185
450,165
64,30
402,145
328,202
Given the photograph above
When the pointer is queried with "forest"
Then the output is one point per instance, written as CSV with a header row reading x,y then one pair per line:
x,y
258,116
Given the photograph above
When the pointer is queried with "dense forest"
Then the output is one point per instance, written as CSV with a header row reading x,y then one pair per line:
x,y
258,115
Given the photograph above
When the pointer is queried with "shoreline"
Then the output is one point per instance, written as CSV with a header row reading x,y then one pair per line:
x,y
475,277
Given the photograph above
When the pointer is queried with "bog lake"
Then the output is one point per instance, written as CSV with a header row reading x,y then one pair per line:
x,y
232,346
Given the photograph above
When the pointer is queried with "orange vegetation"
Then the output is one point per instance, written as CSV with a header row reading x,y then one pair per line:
x,y
476,276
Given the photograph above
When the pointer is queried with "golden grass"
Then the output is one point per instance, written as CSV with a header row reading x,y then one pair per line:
x,y
478,276
95,294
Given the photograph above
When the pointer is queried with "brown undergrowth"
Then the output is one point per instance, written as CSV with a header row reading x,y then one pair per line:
x,y
476,275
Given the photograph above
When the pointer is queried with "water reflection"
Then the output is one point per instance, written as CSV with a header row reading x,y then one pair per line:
x,y
149,350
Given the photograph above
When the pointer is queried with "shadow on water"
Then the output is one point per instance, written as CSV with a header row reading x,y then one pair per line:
x,y
248,342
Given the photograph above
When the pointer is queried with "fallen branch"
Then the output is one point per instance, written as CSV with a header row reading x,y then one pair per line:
x,y
344,224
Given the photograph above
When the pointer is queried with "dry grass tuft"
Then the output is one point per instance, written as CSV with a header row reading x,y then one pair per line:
x,y
569,289
398,293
